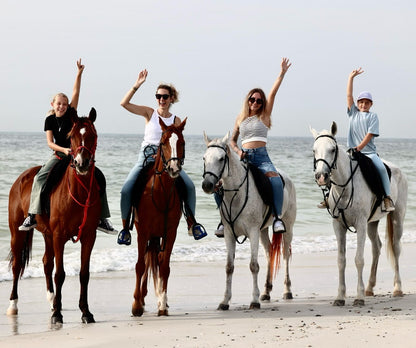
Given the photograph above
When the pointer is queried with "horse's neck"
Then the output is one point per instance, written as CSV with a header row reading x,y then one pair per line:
x,y
235,172
341,175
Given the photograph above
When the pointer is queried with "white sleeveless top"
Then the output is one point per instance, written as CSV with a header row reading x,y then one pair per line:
x,y
253,129
153,131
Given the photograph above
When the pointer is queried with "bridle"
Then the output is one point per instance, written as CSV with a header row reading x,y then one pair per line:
x,y
331,167
91,168
165,162
226,211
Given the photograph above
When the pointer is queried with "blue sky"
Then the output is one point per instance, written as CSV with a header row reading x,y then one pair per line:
x,y
213,52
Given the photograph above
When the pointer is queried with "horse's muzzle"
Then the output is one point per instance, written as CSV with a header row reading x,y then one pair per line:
x,y
322,178
208,186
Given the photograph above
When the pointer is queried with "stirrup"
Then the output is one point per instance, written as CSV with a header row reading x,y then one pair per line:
x,y
124,237
198,231
220,230
279,229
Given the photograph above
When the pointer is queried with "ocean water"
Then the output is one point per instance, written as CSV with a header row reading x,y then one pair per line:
x,y
116,154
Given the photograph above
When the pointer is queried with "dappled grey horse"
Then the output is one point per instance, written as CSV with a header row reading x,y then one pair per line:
x,y
245,215
350,203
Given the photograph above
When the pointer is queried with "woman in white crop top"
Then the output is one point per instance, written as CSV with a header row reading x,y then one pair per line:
x,y
166,95
252,124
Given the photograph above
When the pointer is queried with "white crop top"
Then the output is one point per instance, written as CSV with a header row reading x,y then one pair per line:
x,y
253,129
153,131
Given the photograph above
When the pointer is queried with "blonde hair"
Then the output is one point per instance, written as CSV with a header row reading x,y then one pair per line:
x,y
52,111
172,91
245,110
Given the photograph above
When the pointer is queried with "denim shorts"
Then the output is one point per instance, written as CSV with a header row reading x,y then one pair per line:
x,y
260,158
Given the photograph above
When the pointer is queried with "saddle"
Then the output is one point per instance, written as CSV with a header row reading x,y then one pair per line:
x,y
263,184
370,173
55,177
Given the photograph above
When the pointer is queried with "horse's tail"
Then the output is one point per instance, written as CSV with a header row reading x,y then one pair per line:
x,y
25,252
152,260
275,253
392,247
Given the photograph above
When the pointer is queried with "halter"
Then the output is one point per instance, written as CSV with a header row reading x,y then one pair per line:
x,y
343,186
166,162
226,211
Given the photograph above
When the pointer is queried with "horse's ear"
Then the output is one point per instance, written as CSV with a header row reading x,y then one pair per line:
x,y
73,115
314,132
334,128
207,140
182,125
93,115
226,137
162,124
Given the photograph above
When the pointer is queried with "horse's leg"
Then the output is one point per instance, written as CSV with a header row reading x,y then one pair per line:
x,y
340,234
84,276
394,231
162,284
376,247
268,286
359,263
287,253
17,253
254,268
48,259
138,303
229,269
58,246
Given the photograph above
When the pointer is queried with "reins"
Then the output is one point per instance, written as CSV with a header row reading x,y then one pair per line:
x,y
333,183
226,211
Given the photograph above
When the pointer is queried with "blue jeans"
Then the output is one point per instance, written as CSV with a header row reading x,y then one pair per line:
x,y
384,176
145,156
260,158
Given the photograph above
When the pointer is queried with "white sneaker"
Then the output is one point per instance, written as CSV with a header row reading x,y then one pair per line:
x,y
220,231
278,226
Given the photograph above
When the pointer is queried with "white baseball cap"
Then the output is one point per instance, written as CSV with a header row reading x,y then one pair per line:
x,y
365,95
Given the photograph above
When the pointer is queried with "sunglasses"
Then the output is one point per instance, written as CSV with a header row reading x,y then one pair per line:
x,y
253,100
164,96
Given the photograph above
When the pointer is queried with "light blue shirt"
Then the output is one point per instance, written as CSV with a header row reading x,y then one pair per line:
x,y
361,123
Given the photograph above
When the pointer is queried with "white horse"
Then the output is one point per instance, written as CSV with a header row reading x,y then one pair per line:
x,y
350,203
244,215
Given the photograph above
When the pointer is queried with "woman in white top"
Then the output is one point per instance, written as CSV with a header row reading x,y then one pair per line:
x,y
166,95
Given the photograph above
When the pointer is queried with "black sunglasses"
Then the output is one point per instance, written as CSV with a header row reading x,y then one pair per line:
x,y
164,96
258,100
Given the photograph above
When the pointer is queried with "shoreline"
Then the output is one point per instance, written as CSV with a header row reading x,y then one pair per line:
x,y
194,292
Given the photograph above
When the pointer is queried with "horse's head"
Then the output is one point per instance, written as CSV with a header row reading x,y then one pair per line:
x,y
172,148
325,151
83,141
215,161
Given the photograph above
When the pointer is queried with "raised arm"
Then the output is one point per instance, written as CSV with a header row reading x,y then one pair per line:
x,y
285,65
350,97
141,110
77,85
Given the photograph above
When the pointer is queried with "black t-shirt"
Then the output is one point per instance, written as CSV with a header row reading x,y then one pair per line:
x,y
60,127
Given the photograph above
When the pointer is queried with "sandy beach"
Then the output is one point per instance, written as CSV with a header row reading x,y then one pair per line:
x,y
194,292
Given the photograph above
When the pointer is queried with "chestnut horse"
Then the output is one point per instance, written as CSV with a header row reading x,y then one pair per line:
x,y
157,218
74,214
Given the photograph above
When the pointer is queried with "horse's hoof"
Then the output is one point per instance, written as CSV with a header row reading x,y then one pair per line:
x,y
88,319
57,319
223,307
339,303
265,297
11,311
162,312
137,312
254,305
288,296
369,293
358,303
398,293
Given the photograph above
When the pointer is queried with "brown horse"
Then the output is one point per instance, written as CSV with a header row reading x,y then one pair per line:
x,y
157,218
74,214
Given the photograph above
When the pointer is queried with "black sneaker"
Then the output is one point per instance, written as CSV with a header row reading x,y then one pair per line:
x,y
29,223
106,227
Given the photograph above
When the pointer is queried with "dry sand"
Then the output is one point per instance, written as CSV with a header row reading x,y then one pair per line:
x,y
194,292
